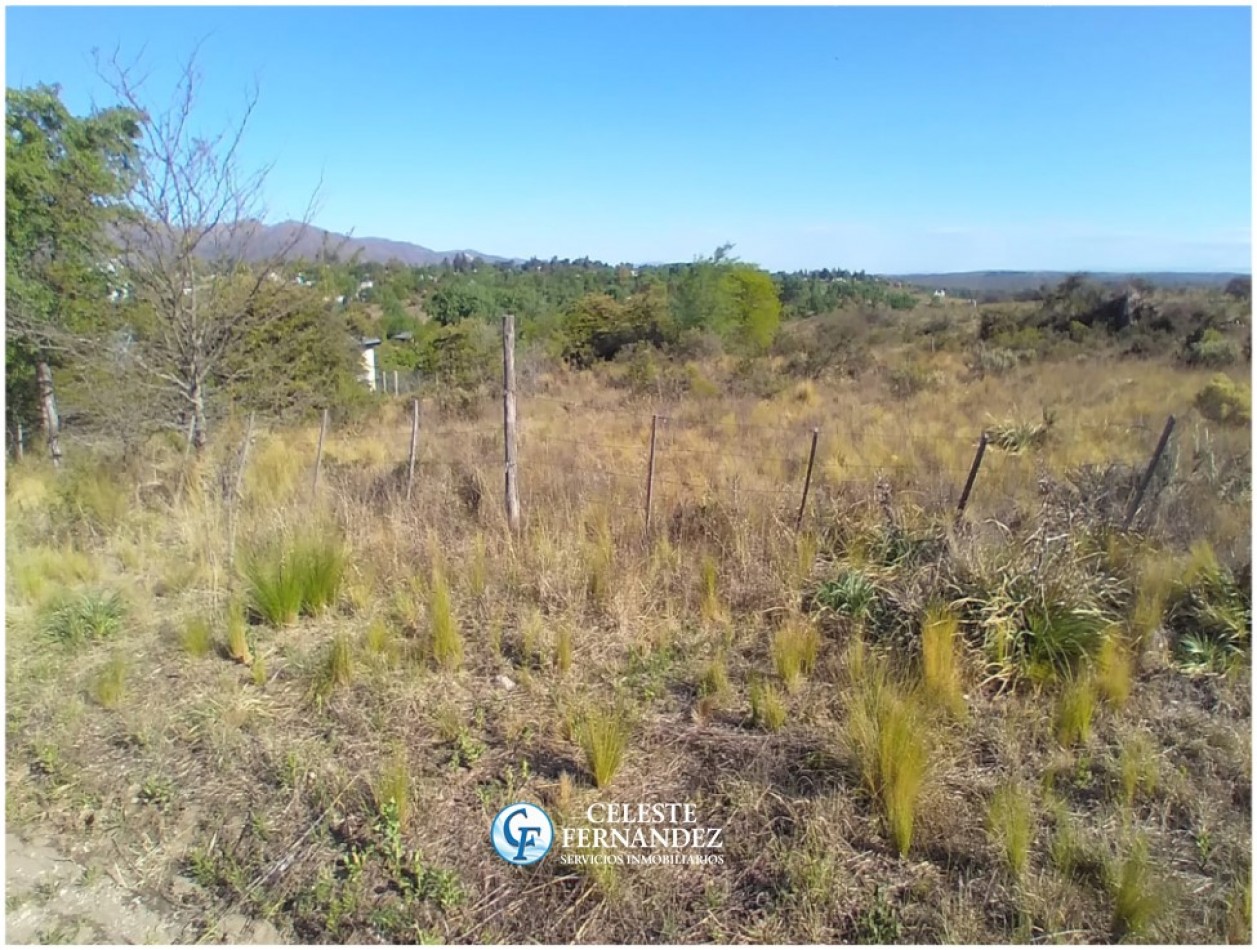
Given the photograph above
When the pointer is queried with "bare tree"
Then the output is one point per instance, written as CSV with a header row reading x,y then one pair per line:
x,y
193,246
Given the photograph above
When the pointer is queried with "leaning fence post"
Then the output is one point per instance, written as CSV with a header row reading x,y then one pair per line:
x,y
414,447
807,480
508,420
318,455
650,469
973,474
1147,476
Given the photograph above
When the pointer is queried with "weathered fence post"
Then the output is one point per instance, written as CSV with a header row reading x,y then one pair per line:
x,y
973,474
318,455
1147,476
807,480
397,391
20,450
414,449
508,420
650,469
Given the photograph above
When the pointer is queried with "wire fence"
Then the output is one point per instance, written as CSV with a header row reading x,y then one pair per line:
x,y
574,453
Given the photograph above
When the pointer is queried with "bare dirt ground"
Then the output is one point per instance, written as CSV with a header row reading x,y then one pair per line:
x,y
53,898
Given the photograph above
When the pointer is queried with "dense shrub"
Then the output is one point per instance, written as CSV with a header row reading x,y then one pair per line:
x,y
1225,401
1211,349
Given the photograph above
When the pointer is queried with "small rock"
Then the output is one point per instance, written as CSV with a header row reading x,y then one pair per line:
x,y
505,682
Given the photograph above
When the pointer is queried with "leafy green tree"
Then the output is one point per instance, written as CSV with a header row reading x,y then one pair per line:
x,y
755,305
64,178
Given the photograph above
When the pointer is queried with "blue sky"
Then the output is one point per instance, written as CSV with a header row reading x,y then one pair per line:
x,y
887,139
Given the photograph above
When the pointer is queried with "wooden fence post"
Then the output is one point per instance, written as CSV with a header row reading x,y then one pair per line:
x,y
973,474
1147,476
20,449
508,420
414,449
397,391
807,481
318,455
650,469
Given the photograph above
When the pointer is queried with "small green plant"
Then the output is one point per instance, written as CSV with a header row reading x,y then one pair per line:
x,y
197,638
110,684
158,791
1135,901
604,736
1010,823
447,640
1074,709
795,646
939,671
1210,614
768,710
851,594
80,618
468,750
879,923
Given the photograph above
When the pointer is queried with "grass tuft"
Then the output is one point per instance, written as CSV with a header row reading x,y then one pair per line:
x,y
197,637
1010,823
238,634
1074,709
886,737
286,580
392,790
339,668
447,641
1114,670
794,651
939,672
1137,768
768,710
1135,901
109,687
603,736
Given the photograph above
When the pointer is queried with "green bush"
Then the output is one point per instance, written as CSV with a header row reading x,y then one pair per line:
x,y
1225,401
1212,349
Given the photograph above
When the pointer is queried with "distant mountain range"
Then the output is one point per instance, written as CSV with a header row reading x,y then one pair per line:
x,y
1013,281
256,242
265,240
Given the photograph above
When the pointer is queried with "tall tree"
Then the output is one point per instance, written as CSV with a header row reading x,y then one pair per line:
x,y
192,247
64,178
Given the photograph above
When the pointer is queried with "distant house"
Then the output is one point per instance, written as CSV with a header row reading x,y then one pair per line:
x,y
940,294
368,345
